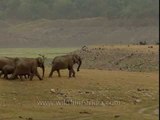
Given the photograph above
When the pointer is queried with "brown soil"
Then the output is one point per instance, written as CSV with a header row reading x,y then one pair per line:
x,y
124,94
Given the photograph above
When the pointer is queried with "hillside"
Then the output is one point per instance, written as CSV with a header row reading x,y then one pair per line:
x,y
64,9
77,32
137,58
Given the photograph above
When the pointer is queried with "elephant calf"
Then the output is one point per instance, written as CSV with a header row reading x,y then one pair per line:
x,y
7,66
7,69
65,62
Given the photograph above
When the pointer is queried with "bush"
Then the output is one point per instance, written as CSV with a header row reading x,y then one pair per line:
x,y
157,43
142,43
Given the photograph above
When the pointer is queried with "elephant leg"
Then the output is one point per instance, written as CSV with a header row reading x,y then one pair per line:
x,y
1,74
58,71
5,76
31,76
51,73
21,77
73,72
38,75
14,75
70,71
26,76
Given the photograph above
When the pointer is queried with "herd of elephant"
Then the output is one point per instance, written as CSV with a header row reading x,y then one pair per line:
x,y
19,67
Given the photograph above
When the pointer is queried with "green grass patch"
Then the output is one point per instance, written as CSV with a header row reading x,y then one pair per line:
x,y
33,52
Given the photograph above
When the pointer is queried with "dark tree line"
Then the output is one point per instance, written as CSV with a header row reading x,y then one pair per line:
x,y
56,9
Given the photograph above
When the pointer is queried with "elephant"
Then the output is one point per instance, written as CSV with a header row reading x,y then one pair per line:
x,y
7,69
28,66
7,61
65,62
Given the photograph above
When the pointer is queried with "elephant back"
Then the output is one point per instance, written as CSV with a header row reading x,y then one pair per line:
x,y
6,61
64,59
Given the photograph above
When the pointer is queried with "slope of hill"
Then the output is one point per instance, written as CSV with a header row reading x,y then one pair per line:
x,y
138,58
77,32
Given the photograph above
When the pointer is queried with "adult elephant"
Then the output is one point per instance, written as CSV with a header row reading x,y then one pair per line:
x,y
65,62
29,66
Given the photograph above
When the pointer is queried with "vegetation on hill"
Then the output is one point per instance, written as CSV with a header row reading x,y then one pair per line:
x,y
56,9
77,32
68,23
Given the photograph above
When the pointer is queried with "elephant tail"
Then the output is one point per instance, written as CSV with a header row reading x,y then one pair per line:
x,y
53,61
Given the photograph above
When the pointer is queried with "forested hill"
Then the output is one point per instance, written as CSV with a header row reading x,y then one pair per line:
x,y
58,9
65,23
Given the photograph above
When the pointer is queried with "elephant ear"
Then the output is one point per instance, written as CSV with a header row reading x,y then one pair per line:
x,y
74,58
43,56
39,60
16,60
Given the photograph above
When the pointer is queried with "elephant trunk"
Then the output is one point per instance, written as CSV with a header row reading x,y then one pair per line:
x,y
80,62
43,70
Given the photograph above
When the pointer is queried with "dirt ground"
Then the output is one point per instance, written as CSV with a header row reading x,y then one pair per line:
x,y
92,95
